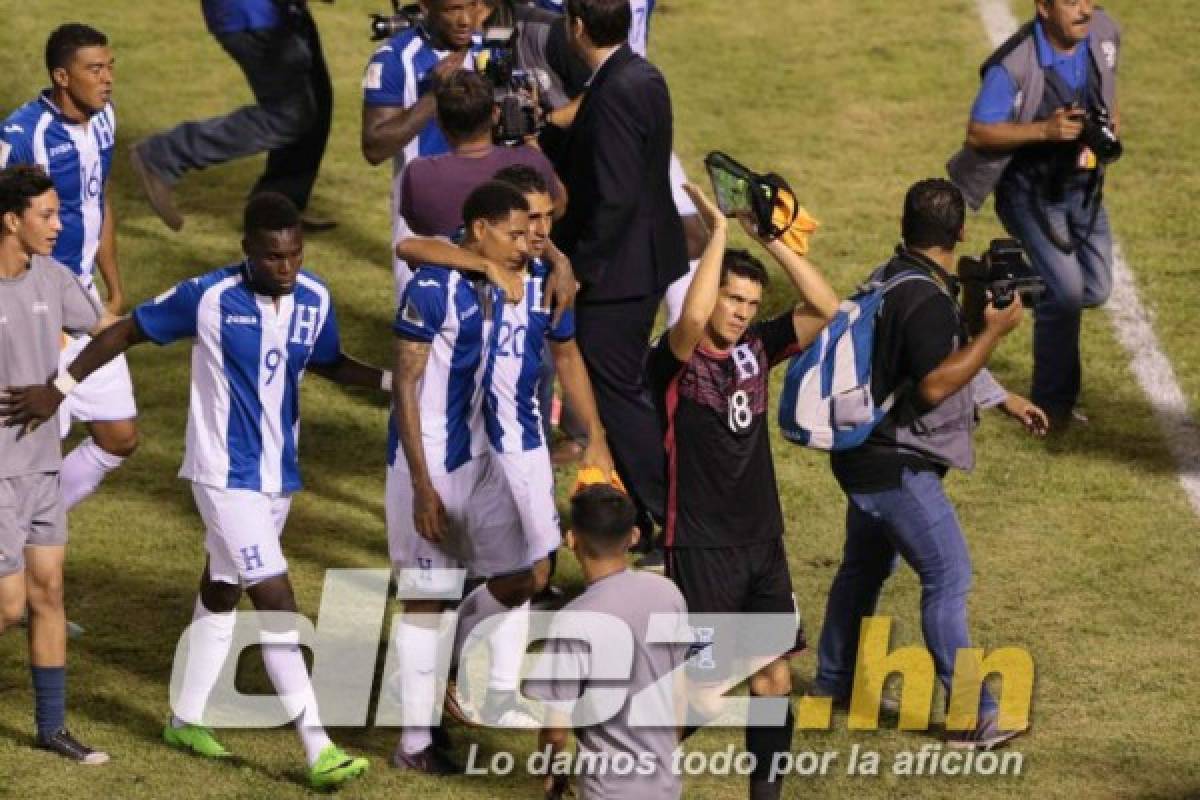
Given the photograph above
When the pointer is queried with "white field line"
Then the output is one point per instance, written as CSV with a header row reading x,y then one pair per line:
x,y
1133,325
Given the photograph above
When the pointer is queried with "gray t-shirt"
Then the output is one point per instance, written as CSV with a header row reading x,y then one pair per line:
x,y
605,749
35,308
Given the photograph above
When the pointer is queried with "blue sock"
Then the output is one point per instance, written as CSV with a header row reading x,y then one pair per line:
x,y
50,698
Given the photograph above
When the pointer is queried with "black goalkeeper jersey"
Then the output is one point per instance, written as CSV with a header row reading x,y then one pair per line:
x,y
721,489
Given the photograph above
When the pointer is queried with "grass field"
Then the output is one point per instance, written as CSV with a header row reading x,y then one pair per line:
x,y
1084,547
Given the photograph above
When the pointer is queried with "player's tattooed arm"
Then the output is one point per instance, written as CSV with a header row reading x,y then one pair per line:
x,y
349,371
29,406
577,388
701,297
429,514
439,250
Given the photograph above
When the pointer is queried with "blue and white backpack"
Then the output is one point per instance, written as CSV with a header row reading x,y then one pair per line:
x,y
827,402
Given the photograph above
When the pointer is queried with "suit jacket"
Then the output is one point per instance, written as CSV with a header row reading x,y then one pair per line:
x,y
621,231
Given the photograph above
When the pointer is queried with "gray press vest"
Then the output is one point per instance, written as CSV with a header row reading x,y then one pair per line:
x,y
976,172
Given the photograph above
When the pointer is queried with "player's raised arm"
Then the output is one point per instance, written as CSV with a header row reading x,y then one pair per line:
x,y
818,302
701,297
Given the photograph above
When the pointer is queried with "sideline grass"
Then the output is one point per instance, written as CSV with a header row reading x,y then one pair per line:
x,y
1084,548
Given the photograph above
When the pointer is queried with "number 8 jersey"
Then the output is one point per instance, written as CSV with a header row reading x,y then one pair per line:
x,y
247,361
78,158
721,489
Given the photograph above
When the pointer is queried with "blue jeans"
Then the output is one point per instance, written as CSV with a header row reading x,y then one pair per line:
x,y
1074,281
289,120
917,523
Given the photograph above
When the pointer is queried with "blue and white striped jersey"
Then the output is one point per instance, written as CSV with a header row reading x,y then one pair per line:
x,y
78,158
453,314
512,414
398,75
247,361
639,25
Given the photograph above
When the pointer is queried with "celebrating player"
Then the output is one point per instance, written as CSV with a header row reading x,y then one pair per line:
x,y
709,374
70,131
447,502
256,327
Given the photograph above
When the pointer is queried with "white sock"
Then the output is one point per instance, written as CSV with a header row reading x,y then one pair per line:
x,y
83,469
677,291
417,647
507,645
209,639
289,675
475,608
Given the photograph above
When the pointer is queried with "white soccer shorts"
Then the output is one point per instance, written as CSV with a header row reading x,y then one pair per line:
x,y
242,532
530,479
106,395
485,531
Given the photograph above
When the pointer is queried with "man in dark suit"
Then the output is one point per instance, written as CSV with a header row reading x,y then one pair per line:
x,y
621,232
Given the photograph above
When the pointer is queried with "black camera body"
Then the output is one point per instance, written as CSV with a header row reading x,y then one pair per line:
x,y
1001,273
1100,136
514,88
385,26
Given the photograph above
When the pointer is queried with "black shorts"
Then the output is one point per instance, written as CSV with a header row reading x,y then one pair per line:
x,y
752,578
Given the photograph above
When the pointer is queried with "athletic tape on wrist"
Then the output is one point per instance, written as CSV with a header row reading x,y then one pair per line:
x,y
65,383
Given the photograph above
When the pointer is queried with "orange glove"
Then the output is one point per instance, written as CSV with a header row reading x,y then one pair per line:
x,y
796,234
590,476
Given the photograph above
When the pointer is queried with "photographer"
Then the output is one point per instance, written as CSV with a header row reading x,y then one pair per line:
x,y
1042,129
893,482
398,95
532,29
275,43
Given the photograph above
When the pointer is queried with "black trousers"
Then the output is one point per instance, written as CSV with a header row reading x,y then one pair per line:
x,y
290,120
614,340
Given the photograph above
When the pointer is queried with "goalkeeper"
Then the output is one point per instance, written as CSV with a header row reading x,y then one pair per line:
x,y
709,378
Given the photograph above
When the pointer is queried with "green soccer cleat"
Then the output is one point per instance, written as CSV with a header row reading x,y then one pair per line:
x,y
334,767
195,739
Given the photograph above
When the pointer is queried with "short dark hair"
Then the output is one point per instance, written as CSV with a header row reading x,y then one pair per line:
x,y
270,212
934,213
605,21
493,201
741,263
602,517
67,39
19,185
526,178
464,104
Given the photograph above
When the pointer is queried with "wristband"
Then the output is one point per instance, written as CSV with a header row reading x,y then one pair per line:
x,y
385,380
65,383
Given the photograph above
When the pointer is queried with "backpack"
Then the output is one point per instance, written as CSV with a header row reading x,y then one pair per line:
x,y
827,402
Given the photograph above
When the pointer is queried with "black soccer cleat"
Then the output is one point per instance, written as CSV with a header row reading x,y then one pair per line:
x,y
67,746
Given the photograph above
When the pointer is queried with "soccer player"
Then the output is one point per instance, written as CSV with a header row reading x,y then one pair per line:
x,y
527,337
447,503
39,299
709,375
70,131
602,529
398,119
256,327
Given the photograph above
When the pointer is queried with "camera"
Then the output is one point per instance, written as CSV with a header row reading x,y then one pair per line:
x,y
385,26
514,88
1001,272
1099,136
